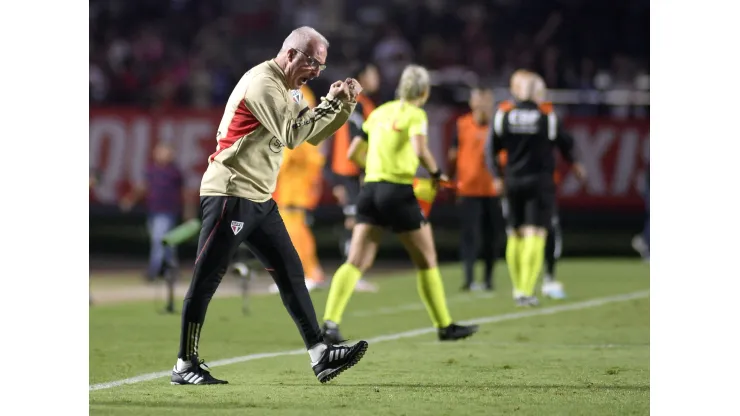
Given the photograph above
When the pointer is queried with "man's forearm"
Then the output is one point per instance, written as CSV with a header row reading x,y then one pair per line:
x,y
293,125
336,122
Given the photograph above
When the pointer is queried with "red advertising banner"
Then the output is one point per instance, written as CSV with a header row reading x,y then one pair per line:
x,y
615,153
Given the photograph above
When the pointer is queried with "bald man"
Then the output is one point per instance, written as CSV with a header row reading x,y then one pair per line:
x,y
265,113
528,131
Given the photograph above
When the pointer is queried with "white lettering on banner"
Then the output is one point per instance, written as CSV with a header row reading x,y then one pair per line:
x,y
626,162
613,159
166,132
113,132
121,149
191,157
592,152
141,150
640,177
614,152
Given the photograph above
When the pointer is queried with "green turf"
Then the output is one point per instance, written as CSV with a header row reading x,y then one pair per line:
x,y
581,362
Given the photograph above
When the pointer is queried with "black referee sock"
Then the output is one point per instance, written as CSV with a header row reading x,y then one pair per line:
x,y
550,257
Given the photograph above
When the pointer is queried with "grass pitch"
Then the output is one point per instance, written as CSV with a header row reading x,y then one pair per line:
x,y
587,355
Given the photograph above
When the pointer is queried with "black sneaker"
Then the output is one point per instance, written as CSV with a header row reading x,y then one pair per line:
x,y
195,374
453,332
337,358
330,332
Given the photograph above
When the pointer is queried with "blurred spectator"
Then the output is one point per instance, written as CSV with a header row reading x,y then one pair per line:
x,y
189,53
164,195
392,53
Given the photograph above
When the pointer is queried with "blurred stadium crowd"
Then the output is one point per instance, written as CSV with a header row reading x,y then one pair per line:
x,y
190,53
161,71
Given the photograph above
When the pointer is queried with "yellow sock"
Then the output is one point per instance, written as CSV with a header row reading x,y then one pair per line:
x,y
513,245
538,259
526,251
342,285
432,292
532,256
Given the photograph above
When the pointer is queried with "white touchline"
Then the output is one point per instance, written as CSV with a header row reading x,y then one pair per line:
x,y
527,344
416,306
392,337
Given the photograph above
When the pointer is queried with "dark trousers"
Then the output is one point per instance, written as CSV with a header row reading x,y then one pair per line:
x,y
228,222
159,224
481,225
554,245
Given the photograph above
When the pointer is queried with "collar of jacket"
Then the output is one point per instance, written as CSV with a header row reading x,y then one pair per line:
x,y
278,71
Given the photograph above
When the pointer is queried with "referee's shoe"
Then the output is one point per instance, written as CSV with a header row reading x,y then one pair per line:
x,y
454,332
337,358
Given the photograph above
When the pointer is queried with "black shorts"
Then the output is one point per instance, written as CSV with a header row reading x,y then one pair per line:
x,y
351,186
389,205
529,203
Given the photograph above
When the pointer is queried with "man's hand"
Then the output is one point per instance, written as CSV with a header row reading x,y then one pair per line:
x,y
354,88
580,171
340,90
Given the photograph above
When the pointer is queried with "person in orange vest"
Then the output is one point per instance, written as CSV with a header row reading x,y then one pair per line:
x,y
478,201
346,175
297,194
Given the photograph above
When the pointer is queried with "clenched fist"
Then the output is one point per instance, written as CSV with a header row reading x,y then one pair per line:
x,y
354,88
340,90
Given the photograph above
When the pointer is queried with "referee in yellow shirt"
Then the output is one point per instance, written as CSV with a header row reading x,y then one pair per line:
x,y
395,142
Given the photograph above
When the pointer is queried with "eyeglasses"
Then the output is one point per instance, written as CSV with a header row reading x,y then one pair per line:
x,y
313,62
